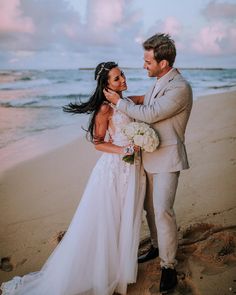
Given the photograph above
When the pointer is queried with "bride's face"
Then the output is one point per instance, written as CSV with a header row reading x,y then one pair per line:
x,y
116,80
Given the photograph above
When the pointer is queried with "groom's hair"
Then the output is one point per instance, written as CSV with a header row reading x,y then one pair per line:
x,y
163,47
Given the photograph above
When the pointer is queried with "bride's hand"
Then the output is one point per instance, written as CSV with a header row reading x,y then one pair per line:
x,y
111,95
130,149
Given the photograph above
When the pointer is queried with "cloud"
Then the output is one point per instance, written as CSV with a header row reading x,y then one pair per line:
x,y
209,39
104,15
108,28
172,26
218,36
13,19
216,10
110,22
44,31
29,26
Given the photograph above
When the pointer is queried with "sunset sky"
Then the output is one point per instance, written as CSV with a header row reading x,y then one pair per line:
x,y
81,33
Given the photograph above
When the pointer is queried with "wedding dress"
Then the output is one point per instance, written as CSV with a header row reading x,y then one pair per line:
x,y
98,254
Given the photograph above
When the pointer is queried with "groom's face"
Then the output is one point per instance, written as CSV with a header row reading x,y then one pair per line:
x,y
151,65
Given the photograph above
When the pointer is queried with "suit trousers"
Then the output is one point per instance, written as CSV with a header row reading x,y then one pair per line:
x,y
158,204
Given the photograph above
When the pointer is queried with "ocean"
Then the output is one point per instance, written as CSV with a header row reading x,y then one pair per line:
x,y
31,101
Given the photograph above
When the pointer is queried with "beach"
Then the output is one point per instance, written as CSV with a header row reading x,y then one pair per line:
x,y
39,194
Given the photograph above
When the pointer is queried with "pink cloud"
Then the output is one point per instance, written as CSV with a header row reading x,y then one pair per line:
x,y
12,19
59,25
104,14
208,40
109,22
103,19
215,39
171,26
219,36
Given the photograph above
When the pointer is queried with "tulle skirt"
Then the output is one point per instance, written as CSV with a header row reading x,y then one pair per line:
x,y
98,254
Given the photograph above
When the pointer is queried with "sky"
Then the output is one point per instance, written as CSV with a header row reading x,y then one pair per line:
x,y
64,34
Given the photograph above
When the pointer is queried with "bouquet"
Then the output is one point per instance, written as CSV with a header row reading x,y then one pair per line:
x,y
142,135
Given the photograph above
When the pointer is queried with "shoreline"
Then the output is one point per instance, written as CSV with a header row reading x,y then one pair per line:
x,y
39,195
48,140
38,145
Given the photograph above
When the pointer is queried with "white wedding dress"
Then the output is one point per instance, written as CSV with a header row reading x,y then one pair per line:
x,y
98,254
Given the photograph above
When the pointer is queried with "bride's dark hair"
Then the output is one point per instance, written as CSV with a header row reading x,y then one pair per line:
x,y
93,105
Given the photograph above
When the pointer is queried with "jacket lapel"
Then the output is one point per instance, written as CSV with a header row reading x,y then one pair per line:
x,y
163,83
148,95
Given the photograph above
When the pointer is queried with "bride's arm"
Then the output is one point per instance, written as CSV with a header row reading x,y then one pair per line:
x,y
137,99
100,129
114,97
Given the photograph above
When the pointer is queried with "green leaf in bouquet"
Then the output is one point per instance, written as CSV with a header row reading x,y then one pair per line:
x,y
129,159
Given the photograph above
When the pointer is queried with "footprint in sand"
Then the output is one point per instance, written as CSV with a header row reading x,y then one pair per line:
x,y
5,264
233,161
232,139
217,252
209,246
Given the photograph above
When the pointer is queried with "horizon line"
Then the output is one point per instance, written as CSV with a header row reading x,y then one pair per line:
x,y
125,67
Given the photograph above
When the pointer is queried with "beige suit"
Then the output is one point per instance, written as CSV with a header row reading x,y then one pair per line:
x,y
166,108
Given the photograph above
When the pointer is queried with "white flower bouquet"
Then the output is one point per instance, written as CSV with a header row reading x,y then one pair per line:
x,y
141,135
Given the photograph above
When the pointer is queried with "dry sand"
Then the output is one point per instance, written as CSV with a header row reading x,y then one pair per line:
x,y
39,196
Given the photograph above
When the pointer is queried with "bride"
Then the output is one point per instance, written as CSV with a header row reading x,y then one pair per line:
x,y
98,254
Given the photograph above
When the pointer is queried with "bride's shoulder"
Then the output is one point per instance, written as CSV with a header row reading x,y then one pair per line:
x,y
105,111
105,108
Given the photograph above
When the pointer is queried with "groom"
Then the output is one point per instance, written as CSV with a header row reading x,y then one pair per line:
x,y
166,107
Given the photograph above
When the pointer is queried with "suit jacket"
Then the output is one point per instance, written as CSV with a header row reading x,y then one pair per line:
x,y
167,110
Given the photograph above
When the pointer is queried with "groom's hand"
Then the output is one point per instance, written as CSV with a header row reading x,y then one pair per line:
x,y
111,95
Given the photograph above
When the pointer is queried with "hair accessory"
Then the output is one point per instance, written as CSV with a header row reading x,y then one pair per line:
x,y
100,71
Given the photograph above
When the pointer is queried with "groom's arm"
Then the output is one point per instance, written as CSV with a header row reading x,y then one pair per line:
x,y
137,99
172,102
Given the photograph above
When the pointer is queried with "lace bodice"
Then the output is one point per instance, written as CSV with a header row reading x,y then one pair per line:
x,y
117,122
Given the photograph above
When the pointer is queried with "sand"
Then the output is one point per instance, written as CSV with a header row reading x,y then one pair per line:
x,y
40,194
